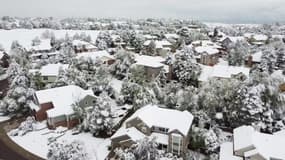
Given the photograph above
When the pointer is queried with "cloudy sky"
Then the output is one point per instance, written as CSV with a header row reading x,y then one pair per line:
x,y
230,11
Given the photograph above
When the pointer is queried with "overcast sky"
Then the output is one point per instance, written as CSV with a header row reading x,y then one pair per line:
x,y
230,11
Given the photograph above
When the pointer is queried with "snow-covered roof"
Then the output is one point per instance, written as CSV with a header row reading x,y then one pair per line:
x,y
153,115
132,132
267,145
160,138
233,38
171,36
44,45
62,98
52,69
257,37
221,71
226,152
80,43
256,57
158,44
149,61
206,49
95,55
1,54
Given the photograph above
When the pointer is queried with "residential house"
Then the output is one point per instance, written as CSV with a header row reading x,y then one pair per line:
x,y
117,41
162,47
170,128
104,56
256,39
153,65
49,72
206,52
251,144
227,40
41,56
56,105
4,59
82,46
222,72
254,59
43,47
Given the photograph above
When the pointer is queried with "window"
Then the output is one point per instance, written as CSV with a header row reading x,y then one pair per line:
x,y
176,143
160,129
45,78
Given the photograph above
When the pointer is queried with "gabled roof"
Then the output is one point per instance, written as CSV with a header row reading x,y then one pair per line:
x,y
221,71
153,115
95,55
149,61
52,69
62,98
266,145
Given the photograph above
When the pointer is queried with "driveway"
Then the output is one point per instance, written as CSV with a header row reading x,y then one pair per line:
x,y
10,150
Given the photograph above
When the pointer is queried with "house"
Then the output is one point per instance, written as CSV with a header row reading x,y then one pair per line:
x,y
170,128
254,59
256,39
162,47
39,56
251,144
222,72
49,72
102,55
4,59
56,105
206,52
117,41
82,46
227,40
153,65
43,47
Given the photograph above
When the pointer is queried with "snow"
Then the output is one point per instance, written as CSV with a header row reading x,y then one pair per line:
x,y
80,43
153,115
233,39
256,57
171,36
158,44
206,49
62,98
4,118
95,55
36,142
44,45
149,61
256,37
221,71
160,138
51,69
25,36
226,152
1,54
132,132
267,145
116,84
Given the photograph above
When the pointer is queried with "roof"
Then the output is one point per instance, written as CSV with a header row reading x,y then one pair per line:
x,y
80,43
171,36
153,115
257,37
95,55
44,45
158,44
221,71
132,132
149,61
206,49
52,69
226,152
62,98
267,145
256,57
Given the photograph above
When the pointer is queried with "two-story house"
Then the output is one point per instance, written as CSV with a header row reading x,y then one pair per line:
x,y
249,144
170,128
56,105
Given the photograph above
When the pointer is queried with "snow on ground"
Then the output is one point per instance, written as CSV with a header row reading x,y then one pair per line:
x,y
36,142
4,118
25,36
116,84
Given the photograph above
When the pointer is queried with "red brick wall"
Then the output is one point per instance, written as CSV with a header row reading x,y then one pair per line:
x,y
42,114
71,124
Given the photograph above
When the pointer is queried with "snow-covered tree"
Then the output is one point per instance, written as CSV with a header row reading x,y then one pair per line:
x,y
36,41
237,53
103,40
67,151
186,70
97,118
27,126
124,60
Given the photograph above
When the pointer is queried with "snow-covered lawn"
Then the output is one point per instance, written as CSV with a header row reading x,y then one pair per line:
x,y
36,142
4,118
25,36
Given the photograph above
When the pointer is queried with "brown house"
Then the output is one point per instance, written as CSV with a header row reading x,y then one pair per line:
x,y
56,105
172,135
82,46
